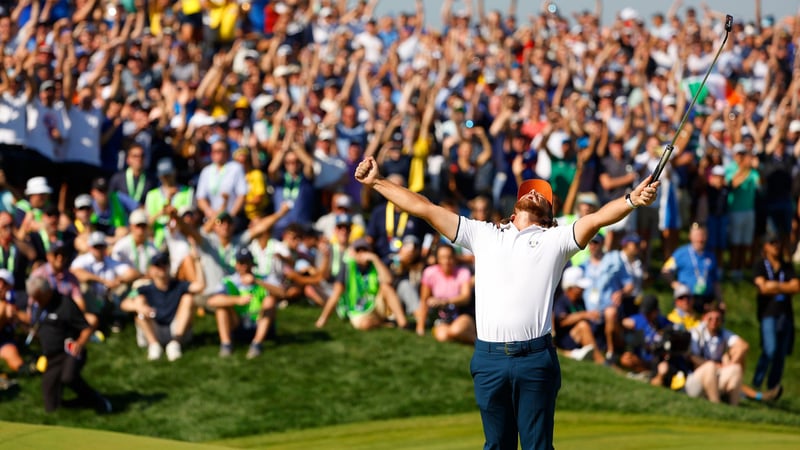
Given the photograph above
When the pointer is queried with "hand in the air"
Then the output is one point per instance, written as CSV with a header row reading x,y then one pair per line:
x,y
367,171
645,193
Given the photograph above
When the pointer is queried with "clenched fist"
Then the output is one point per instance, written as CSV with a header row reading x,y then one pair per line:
x,y
367,171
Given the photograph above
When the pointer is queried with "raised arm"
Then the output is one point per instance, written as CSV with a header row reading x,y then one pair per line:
x,y
614,211
444,221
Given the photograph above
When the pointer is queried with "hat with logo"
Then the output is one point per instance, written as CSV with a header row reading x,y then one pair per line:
x,y
243,256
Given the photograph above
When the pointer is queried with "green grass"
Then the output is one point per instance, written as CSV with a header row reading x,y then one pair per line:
x,y
339,376
453,432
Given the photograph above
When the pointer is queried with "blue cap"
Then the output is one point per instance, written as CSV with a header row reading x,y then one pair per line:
x,y
160,259
244,256
631,238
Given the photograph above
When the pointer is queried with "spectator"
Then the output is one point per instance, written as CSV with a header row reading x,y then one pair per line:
x,y
63,334
717,193
446,295
105,279
136,250
776,282
8,316
342,204
47,128
574,325
15,255
693,266
38,194
256,199
291,172
133,181
744,181
164,308
161,201
683,315
363,292
245,307
222,185
643,335
111,209
620,284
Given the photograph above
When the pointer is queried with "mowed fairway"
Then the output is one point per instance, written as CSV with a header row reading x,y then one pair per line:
x,y
454,432
573,431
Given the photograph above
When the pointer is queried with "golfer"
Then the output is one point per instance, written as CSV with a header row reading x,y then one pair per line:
x,y
517,267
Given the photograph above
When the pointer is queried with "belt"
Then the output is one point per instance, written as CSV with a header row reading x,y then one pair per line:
x,y
515,348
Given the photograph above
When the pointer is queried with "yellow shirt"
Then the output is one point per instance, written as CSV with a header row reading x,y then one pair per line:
x,y
681,318
416,174
256,188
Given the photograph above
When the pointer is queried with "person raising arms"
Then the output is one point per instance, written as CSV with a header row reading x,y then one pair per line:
x,y
517,268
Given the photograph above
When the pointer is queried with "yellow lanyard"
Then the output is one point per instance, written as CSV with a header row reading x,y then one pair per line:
x,y
401,223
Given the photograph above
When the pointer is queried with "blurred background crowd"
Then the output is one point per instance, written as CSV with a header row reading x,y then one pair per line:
x,y
163,159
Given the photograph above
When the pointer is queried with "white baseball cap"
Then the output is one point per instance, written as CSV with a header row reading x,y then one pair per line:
x,y
718,125
573,277
97,238
718,170
137,217
83,201
794,126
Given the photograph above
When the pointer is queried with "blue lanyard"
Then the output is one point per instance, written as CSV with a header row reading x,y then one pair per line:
x,y
771,276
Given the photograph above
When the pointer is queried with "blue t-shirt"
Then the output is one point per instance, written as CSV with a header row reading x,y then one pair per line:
x,y
698,271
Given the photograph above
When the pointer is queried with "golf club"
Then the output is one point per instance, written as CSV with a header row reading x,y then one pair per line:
x,y
671,146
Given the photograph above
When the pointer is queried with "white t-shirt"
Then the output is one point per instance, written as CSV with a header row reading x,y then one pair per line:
x,y
83,144
12,118
516,275
107,269
40,120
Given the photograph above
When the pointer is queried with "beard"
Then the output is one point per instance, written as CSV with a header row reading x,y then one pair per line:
x,y
538,208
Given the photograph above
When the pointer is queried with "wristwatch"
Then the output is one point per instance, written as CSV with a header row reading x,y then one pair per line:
x,y
630,203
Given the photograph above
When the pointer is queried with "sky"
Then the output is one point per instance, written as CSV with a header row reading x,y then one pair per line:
x,y
741,10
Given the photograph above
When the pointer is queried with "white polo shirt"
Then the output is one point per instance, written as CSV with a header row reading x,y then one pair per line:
x,y
516,274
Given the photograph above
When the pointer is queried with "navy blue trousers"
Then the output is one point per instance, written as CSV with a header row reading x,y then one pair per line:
x,y
516,385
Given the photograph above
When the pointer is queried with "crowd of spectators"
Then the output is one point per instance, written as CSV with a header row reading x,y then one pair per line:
x,y
163,159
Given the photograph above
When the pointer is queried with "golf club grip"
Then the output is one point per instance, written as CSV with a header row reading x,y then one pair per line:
x,y
728,23
662,162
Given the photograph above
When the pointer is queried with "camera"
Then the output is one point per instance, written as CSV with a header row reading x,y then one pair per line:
x,y
673,342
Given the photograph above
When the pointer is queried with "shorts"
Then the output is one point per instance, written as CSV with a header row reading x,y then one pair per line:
x,y
742,227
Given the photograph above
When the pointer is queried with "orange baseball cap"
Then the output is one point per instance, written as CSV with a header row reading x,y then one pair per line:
x,y
540,186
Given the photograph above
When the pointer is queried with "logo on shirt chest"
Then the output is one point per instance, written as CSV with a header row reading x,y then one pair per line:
x,y
533,242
